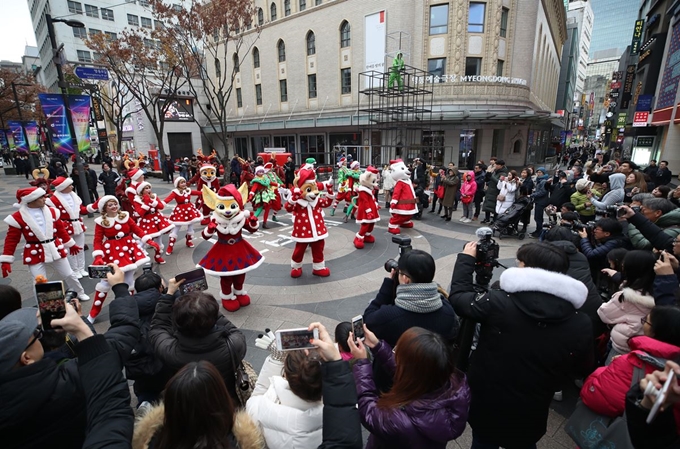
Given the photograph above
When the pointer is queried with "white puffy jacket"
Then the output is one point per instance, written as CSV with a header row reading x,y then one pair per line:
x,y
287,421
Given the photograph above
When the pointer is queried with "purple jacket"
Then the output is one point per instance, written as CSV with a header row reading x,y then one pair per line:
x,y
429,422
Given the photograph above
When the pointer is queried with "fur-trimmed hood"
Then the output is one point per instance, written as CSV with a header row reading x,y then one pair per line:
x,y
245,431
634,297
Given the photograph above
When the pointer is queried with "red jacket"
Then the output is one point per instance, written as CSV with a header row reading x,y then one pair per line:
x,y
403,199
40,246
367,206
308,224
605,390
70,218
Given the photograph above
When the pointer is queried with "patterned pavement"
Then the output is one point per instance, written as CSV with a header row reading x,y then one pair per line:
x,y
278,301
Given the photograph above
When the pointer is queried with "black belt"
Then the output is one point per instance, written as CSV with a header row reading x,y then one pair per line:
x,y
230,241
41,242
71,219
117,238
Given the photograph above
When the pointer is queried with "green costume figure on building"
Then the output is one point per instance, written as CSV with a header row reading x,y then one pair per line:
x,y
395,72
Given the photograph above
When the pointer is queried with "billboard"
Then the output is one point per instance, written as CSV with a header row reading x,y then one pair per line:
x,y
80,113
32,134
669,80
180,110
17,130
637,37
55,116
375,38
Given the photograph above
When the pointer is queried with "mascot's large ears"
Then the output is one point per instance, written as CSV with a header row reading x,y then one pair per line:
x,y
243,190
209,197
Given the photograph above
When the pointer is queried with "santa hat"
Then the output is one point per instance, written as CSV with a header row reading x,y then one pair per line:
x,y
135,174
177,180
25,196
61,183
268,166
372,169
101,203
341,161
305,175
230,192
259,170
141,186
206,166
354,165
395,162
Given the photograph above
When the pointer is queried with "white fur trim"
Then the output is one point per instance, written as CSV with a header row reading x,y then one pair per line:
x,y
6,259
359,236
146,238
633,297
11,221
98,253
229,297
141,186
240,292
34,195
70,243
294,264
65,183
515,280
177,180
319,266
101,203
138,174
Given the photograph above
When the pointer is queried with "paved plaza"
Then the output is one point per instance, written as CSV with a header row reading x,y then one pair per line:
x,y
278,301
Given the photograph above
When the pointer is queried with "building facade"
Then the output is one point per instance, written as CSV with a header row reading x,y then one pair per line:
x,y
491,69
582,12
110,17
611,17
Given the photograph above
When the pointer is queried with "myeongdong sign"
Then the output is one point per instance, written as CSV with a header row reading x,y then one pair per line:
x,y
470,79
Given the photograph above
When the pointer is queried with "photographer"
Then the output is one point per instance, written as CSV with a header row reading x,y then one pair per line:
x,y
607,235
48,393
663,214
657,237
191,328
532,341
409,298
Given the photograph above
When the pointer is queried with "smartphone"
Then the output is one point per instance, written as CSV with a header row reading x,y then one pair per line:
x,y
620,212
99,271
661,397
194,281
294,339
358,327
51,302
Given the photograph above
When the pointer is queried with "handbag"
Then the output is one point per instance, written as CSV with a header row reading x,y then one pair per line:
x,y
591,430
500,198
245,377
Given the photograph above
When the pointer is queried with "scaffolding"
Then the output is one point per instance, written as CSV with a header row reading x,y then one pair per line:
x,y
400,113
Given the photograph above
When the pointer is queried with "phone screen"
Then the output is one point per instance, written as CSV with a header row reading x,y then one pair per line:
x,y
99,271
194,281
50,302
292,339
358,327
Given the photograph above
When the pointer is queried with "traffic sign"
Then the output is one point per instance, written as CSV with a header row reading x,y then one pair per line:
x,y
92,73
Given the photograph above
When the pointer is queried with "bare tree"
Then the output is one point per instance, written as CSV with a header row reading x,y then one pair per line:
x,y
27,91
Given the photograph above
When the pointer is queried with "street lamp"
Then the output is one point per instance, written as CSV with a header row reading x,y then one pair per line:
x,y
64,93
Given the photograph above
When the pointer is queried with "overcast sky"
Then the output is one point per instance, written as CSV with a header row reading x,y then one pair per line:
x,y
16,30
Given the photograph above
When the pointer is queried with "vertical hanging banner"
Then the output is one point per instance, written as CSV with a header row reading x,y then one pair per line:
x,y
18,135
80,112
3,139
32,136
55,115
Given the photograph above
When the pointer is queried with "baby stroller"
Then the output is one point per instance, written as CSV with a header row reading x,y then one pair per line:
x,y
508,222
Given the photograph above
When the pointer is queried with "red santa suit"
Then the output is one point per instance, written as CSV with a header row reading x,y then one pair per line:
x,y
367,208
231,256
309,227
70,208
46,240
136,177
403,203
184,214
151,221
206,176
113,243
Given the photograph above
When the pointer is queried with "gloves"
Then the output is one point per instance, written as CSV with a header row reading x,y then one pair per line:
x,y
98,261
154,245
212,227
147,200
251,195
6,269
297,194
267,341
75,249
252,221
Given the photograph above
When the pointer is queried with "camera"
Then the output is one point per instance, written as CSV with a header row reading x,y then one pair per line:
x,y
404,247
579,226
70,295
487,248
611,211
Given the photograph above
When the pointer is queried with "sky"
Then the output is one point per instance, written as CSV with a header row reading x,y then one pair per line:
x,y
16,30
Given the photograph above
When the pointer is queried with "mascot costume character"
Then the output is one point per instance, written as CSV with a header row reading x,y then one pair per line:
x,y
306,204
403,203
367,207
206,176
231,257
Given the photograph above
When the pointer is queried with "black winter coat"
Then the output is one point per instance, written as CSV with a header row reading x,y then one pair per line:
x,y
532,340
388,322
561,193
143,362
44,405
176,350
109,179
660,434
579,269
341,422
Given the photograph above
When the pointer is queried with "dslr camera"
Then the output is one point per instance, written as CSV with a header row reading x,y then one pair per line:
x,y
404,243
487,248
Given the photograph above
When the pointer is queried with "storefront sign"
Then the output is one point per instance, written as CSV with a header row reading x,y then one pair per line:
x,y
470,79
637,36
628,87
644,103
640,118
621,120
645,141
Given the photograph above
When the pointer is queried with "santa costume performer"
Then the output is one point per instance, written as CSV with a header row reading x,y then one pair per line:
x,y
46,239
136,177
206,176
367,207
306,204
262,194
113,243
151,221
184,214
231,257
403,203
70,208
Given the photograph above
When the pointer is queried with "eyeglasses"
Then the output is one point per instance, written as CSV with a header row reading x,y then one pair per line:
x,y
644,321
37,335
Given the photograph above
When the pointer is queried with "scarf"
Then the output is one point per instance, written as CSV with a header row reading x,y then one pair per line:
x,y
418,298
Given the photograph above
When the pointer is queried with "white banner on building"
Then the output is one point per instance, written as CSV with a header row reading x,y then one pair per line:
x,y
375,35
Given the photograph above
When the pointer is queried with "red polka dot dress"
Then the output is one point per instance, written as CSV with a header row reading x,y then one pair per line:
x,y
185,213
